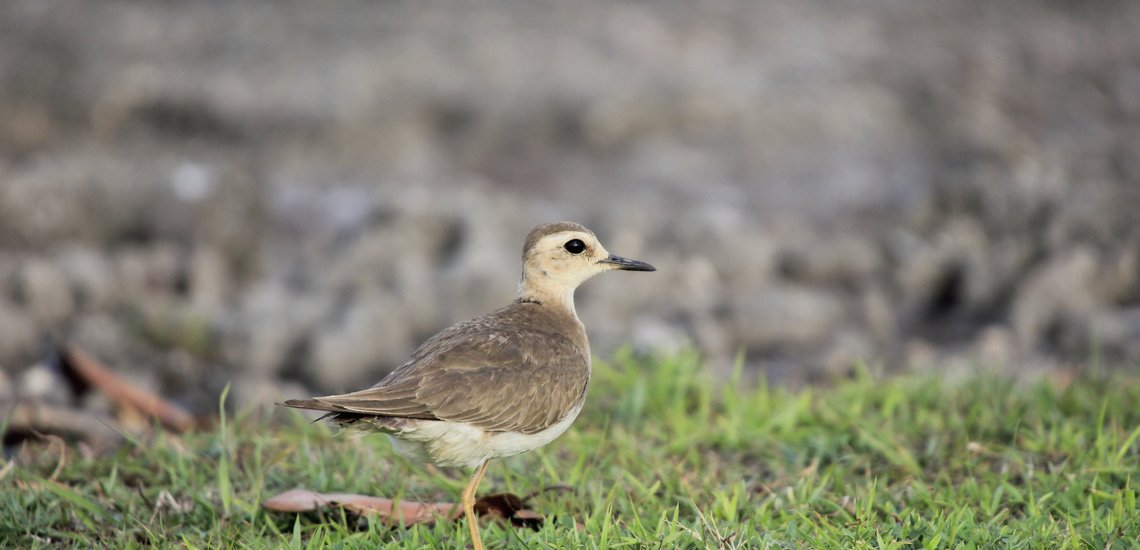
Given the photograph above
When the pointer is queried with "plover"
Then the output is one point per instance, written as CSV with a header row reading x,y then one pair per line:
x,y
498,385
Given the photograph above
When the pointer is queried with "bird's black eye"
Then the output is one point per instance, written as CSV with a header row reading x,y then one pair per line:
x,y
574,246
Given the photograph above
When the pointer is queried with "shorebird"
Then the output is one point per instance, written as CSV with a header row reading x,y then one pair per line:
x,y
498,385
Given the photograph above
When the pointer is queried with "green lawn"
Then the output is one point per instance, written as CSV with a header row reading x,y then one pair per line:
x,y
662,457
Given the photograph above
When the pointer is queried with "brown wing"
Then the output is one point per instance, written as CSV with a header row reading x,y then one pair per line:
x,y
513,391
396,401
495,375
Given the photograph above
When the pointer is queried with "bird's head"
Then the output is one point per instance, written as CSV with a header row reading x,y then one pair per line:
x,y
557,257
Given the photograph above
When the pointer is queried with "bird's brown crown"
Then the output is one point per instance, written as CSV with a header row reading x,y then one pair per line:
x,y
545,229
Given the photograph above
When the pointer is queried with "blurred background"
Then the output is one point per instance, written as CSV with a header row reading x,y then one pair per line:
x,y
290,196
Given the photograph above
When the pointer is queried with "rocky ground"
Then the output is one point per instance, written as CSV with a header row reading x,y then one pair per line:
x,y
291,196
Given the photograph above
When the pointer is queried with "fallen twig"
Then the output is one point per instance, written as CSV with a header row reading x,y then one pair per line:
x,y
121,391
31,417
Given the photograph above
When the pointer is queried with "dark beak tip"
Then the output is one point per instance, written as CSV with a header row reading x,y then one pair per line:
x,y
626,264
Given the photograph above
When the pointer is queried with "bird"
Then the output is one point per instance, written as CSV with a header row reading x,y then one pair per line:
x,y
500,384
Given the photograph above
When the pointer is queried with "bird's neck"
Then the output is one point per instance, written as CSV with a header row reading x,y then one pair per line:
x,y
554,296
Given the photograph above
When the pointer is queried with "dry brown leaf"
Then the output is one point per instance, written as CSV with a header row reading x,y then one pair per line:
x,y
503,505
91,372
510,507
406,513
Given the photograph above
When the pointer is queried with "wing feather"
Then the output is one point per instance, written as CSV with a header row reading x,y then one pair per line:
x,y
500,372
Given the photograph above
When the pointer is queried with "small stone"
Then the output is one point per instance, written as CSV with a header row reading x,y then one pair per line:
x,y
997,346
847,347
18,336
787,315
273,323
650,334
45,292
1057,290
7,392
369,340
209,280
91,275
100,335
879,316
38,383
830,259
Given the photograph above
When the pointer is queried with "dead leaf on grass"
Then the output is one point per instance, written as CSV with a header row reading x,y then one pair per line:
x,y
407,513
510,507
504,505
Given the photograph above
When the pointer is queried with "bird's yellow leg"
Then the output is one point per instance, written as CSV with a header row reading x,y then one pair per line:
x,y
468,498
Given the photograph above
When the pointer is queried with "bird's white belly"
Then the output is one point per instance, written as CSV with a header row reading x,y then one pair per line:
x,y
459,444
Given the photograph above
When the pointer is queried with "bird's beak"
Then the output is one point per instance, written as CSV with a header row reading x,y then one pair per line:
x,y
627,264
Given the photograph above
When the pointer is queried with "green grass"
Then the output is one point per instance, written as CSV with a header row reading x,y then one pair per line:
x,y
662,457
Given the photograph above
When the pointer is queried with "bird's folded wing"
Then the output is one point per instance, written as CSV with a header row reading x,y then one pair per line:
x,y
396,400
500,387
